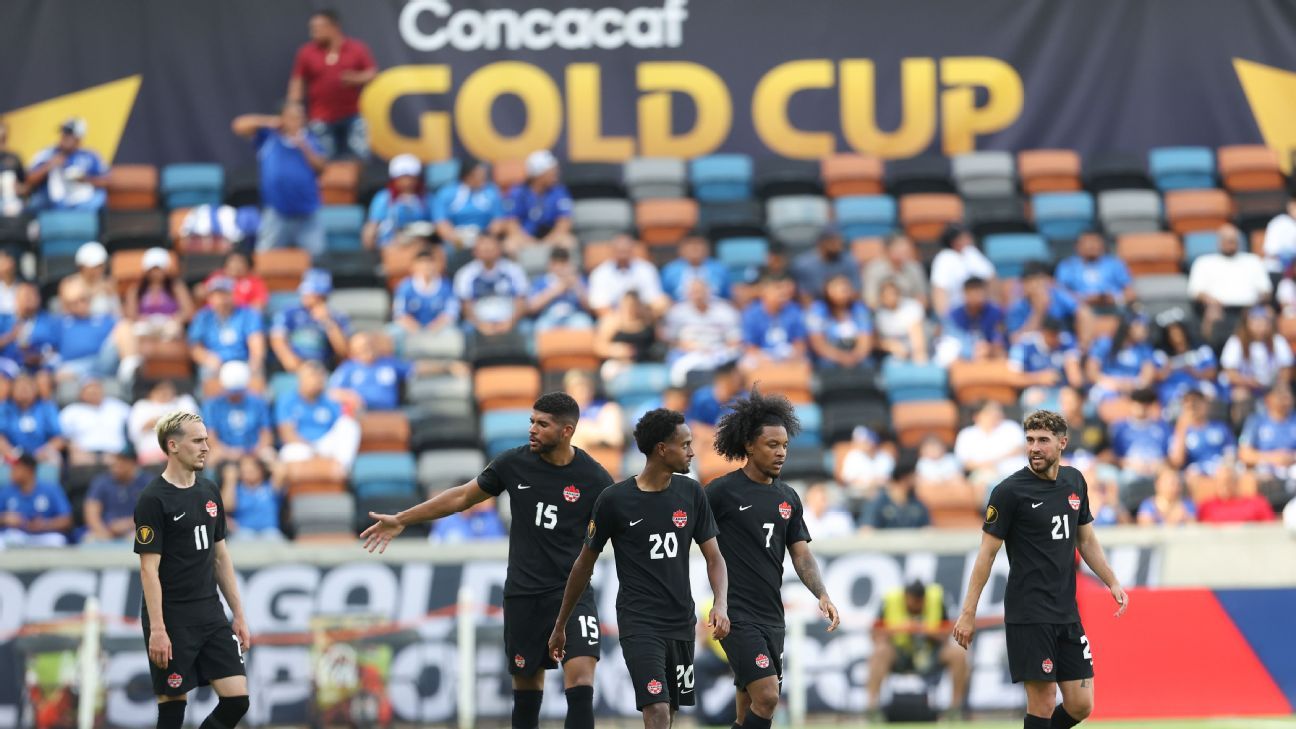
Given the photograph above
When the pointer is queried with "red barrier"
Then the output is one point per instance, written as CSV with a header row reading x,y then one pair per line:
x,y
1175,653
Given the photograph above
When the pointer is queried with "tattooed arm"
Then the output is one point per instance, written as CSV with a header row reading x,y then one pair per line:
x,y
808,570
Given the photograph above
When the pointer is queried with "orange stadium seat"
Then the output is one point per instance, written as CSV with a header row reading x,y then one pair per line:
x,y
1192,210
339,182
397,262
852,174
1150,253
566,349
951,505
508,173
664,221
132,187
384,431
1048,170
867,250
1246,167
925,215
314,476
976,381
914,421
790,379
609,458
165,359
504,387
281,268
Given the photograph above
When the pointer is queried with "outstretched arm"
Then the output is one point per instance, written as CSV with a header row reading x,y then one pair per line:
x,y
964,628
387,527
718,575
807,568
577,581
1091,552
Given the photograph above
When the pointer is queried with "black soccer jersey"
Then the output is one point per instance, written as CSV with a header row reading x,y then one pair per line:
x,y
183,525
550,506
650,534
1038,520
757,523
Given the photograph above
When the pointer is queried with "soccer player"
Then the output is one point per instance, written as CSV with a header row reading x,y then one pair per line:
x,y
760,518
552,488
1042,513
180,538
650,520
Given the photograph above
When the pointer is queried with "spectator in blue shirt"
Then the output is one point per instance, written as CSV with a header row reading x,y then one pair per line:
x,y
425,300
33,514
839,326
1122,363
1141,443
827,259
1049,365
1268,442
711,401
1043,299
1185,364
21,331
368,381
238,422
253,497
539,209
1096,278
310,331
1201,447
695,261
110,503
30,424
481,522
773,325
222,332
290,159
464,209
491,289
559,299
896,507
402,202
84,343
1167,506
974,330
67,176
311,424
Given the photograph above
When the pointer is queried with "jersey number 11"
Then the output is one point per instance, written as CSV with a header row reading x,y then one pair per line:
x,y
200,538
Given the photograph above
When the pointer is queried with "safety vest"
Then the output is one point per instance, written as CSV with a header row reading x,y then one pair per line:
x,y
896,617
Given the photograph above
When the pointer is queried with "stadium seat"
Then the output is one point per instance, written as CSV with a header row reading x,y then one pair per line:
x,y
322,513
340,182
1048,170
281,383
594,180
62,232
165,359
851,174
639,382
389,504
440,173
721,177
446,344
664,221
509,348
1182,168
925,216
124,229
1116,171
1249,168
355,269
781,177
508,173
192,184
444,431
924,174
1168,288
797,220
811,418
1254,210
397,261
342,224
868,250
506,387
790,379
984,174
1063,215
1191,210
601,218
841,384
988,380
909,381
559,350
951,505
1009,252
805,463
841,418
1199,243
732,219
449,467
742,254
242,186
990,215
1150,253
132,187
281,268
505,429
1129,211
361,305
314,475
384,431
384,467
917,420
534,259
650,177
860,216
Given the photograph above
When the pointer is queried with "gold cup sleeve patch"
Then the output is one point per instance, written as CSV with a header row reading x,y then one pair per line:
x,y
992,514
589,532
144,534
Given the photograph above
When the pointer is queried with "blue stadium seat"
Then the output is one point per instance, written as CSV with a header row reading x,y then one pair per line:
x,y
63,231
281,383
863,216
504,429
280,300
647,379
811,418
342,224
909,382
721,177
1009,252
1202,242
437,174
192,184
1063,215
1182,168
44,472
384,468
741,254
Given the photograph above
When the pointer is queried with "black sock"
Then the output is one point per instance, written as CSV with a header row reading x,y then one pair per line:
x,y
1036,722
227,713
526,709
736,726
171,714
580,708
1061,719
755,721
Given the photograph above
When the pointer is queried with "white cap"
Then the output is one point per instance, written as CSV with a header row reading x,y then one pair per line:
x,y
91,254
235,375
157,258
404,165
540,162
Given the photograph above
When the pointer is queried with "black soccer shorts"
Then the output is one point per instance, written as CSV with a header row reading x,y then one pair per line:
x,y
528,621
661,669
754,651
200,654
1048,652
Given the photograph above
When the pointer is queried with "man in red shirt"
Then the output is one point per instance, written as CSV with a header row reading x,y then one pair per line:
x,y
330,70
1238,500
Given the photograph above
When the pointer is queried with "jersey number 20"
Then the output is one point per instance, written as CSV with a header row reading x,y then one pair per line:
x,y
663,545
1061,527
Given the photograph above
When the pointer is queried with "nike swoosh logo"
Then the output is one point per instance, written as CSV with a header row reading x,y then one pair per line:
x,y
592,642
686,691
178,518
1036,506
744,508
522,488
636,521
